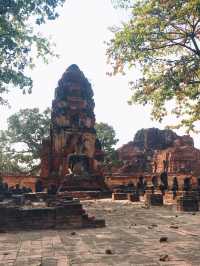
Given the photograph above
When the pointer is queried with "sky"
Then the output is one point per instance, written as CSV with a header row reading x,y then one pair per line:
x,y
80,34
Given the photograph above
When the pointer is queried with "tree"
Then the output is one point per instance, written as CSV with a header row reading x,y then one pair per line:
x,y
20,43
7,162
21,143
107,137
162,37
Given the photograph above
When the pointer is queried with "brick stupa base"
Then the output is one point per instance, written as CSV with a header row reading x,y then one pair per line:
x,y
81,187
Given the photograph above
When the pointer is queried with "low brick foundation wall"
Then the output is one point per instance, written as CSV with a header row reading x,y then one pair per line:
x,y
86,195
59,213
119,196
27,181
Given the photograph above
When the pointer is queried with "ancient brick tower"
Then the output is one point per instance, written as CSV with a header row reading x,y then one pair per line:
x,y
72,145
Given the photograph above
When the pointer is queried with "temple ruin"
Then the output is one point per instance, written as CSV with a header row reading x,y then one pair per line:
x,y
72,154
70,160
154,151
158,167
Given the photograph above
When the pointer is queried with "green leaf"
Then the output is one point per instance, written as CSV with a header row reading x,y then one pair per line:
x,y
162,38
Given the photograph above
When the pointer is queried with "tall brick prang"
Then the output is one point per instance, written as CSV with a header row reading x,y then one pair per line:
x,y
72,145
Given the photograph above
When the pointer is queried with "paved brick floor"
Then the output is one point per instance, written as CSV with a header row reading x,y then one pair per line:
x,y
132,235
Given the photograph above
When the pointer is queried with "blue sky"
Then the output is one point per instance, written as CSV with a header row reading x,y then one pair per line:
x,y
79,35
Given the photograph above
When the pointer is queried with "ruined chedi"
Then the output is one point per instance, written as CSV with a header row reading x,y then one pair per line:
x,y
72,145
152,147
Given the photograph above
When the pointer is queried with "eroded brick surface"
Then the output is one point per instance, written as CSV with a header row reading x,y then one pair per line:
x,y
132,235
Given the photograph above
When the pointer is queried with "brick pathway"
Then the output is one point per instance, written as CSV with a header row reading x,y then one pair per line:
x,y
132,235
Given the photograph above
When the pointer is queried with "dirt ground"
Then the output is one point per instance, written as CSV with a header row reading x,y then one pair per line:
x,y
134,235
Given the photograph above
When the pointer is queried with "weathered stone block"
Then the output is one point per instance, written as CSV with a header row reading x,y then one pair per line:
x,y
133,197
119,196
169,197
187,203
154,199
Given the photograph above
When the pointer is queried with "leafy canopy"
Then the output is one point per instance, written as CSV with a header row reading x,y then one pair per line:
x,y
107,137
163,38
20,144
20,43
6,159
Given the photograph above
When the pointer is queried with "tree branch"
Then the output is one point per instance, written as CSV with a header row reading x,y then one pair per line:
x,y
195,45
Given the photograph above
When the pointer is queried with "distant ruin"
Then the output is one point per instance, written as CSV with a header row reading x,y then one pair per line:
x,y
154,151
